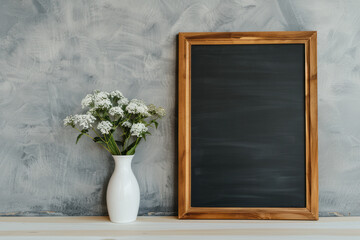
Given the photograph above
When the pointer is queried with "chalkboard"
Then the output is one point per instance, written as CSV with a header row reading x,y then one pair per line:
x,y
248,125
248,130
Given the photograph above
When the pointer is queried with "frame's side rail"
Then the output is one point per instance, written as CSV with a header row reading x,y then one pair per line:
x,y
184,126
313,131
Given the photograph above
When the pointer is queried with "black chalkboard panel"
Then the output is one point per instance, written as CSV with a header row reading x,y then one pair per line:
x,y
248,125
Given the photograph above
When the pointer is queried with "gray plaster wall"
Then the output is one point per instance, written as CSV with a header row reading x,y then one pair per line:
x,y
52,53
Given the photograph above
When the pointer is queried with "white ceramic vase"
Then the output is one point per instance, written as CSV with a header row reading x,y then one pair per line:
x,y
123,194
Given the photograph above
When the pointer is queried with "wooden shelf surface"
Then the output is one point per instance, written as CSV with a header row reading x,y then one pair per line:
x,y
171,228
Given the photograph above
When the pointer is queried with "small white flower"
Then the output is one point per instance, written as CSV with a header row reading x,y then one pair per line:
x,y
137,129
103,103
137,107
91,111
101,94
87,101
116,111
84,120
156,111
116,94
152,108
101,100
126,124
138,101
69,121
123,101
104,127
160,111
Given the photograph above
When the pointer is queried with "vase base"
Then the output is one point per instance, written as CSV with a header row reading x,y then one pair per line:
x,y
123,221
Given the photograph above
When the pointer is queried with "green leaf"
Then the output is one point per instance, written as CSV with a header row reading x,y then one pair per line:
x,y
130,146
112,146
78,138
84,130
97,139
156,124
132,150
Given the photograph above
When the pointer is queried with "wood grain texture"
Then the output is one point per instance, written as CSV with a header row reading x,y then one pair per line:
x,y
312,163
307,38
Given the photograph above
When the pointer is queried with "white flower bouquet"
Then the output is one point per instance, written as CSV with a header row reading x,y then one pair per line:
x,y
110,112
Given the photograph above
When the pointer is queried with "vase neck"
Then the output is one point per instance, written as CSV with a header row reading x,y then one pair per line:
x,y
123,161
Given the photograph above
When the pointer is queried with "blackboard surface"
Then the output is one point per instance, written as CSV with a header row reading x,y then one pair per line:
x,y
248,125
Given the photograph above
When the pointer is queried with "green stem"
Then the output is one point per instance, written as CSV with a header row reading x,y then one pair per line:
x,y
98,134
92,139
125,141
132,150
151,122
84,133
121,122
114,146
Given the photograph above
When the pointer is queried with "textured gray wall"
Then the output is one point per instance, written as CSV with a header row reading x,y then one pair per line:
x,y
54,52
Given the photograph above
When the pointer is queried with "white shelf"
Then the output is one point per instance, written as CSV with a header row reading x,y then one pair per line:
x,y
158,228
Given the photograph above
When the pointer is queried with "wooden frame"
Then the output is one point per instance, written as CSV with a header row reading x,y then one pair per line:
x,y
309,39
